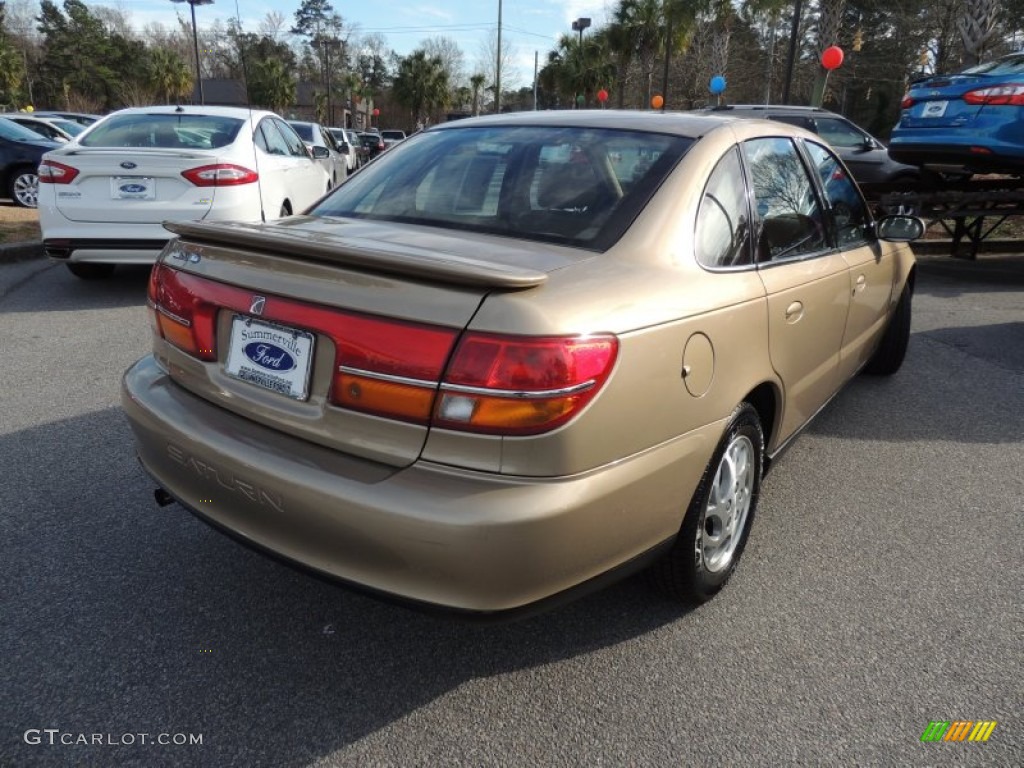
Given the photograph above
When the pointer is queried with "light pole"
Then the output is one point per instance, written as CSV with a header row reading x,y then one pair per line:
x,y
195,41
329,44
497,68
578,26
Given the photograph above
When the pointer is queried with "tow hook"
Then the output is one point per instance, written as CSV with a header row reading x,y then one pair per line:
x,y
163,498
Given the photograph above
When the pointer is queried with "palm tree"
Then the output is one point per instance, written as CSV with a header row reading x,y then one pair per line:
x,y
421,84
271,85
639,29
476,82
168,75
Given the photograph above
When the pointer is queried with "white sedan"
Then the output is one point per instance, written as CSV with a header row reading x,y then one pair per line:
x,y
103,197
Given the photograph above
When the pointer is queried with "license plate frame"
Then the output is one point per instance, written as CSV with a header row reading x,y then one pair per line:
x,y
132,188
256,355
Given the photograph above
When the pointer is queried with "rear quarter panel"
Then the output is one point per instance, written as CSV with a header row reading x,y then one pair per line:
x,y
649,291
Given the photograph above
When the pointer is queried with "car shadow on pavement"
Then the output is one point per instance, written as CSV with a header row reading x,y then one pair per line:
x,y
123,617
974,367
125,288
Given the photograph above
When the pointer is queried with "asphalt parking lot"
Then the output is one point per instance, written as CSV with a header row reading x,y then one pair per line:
x,y
881,588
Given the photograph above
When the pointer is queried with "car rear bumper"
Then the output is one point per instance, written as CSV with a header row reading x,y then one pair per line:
x,y
125,251
975,153
436,535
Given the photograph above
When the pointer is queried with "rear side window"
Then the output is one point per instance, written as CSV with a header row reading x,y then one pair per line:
x,y
166,131
270,140
791,222
295,146
723,226
839,133
572,186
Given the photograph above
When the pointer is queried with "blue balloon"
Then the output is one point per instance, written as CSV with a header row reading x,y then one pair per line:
x,y
717,84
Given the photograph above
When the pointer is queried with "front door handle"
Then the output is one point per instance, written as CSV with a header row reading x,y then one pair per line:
x,y
861,283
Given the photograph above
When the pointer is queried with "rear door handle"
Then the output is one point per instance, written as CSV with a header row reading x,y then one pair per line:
x,y
861,282
794,311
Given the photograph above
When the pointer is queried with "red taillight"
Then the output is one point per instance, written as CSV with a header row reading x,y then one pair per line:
x,y
1009,95
494,384
522,385
907,102
386,367
181,315
52,172
220,175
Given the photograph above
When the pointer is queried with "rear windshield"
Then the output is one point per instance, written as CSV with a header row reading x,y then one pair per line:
x,y
305,131
571,186
11,130
165,131
1008,65
393,134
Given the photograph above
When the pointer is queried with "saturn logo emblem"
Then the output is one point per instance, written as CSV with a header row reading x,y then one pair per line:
x,y
256,308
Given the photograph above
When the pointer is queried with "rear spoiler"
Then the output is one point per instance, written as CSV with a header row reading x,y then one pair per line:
x,y
361,253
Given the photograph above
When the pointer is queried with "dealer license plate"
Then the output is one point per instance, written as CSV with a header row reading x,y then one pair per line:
x,y
270,356
934,109
132,188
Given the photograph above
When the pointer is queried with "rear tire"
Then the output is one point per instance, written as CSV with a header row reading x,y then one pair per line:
x,y
718,520
24,188
89,271
893,348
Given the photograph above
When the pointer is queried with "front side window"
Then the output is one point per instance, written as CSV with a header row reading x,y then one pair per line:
x,y
848,208
574,186
791,222
723,226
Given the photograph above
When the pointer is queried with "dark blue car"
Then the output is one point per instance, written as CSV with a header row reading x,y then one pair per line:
x,y
968,122
20,153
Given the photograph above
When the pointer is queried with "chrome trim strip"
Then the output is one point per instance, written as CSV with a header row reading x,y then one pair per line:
x,y
519,393
462,388
174,317
387,377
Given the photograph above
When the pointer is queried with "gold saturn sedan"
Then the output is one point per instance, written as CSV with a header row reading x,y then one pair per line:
x,y
520,355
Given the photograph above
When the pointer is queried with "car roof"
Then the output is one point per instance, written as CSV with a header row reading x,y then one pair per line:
x,y
195,109
692,124
792,109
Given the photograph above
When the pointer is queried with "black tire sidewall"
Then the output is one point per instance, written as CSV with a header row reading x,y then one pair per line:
x,y
745,422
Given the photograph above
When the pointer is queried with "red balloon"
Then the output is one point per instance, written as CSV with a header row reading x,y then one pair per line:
x,y
376,112
602,95
832,58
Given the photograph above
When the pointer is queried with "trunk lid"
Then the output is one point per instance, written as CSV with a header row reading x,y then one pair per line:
x,y
137,186
938,102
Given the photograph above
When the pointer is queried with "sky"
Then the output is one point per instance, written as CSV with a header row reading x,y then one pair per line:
x,y
529,25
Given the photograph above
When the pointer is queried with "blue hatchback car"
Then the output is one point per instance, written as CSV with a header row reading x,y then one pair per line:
x,y
972,121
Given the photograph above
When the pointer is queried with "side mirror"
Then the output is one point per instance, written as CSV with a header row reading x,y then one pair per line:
x,y
899,228
343,149
321,153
